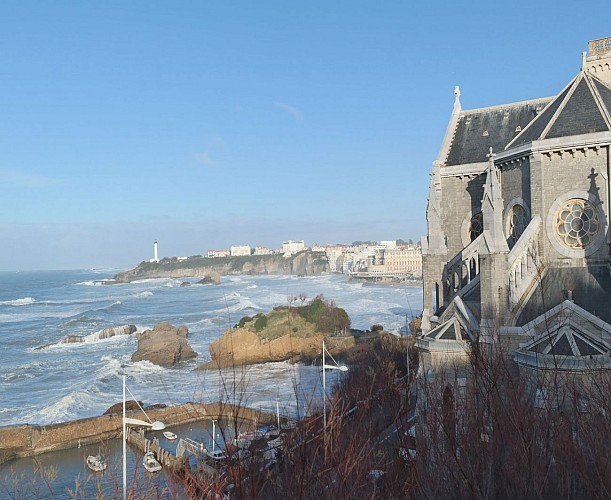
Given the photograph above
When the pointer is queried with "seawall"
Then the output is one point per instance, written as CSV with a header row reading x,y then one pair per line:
x,y
29,440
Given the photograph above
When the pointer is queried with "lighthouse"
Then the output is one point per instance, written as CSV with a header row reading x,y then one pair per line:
x,y
156,255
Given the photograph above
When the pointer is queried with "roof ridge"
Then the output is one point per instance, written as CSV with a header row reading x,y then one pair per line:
x,y
606,113
511,104
536,119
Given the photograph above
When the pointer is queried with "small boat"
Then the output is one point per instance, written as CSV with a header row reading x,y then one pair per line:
x,y
96,463
170,436
151,463
216,454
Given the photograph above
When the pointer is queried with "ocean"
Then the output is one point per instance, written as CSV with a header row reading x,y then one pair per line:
x,y
44,380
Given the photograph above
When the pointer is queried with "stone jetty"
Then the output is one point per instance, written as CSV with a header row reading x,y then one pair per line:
x,y
29,440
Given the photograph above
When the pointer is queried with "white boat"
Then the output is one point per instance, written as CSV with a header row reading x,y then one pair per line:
x,y
96,463
151,463
170,436
216,454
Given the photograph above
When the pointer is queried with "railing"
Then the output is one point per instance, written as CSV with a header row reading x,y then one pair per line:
x,y
523,262
189,445
462,269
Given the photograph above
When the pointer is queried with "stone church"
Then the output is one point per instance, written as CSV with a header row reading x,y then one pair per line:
x,y
518,243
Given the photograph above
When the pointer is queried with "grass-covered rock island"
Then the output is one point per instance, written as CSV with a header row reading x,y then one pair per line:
x,y
293,332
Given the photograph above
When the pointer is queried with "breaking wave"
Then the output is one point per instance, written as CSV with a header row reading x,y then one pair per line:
x,y
19,302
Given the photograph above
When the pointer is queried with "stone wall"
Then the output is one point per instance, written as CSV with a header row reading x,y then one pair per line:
x,y
29,440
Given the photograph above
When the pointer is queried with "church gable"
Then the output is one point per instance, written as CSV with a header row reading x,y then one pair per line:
x,y
536,128
566,337
576,111
580,115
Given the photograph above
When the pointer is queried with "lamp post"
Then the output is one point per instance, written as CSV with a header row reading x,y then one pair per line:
x,y
156,426
341,368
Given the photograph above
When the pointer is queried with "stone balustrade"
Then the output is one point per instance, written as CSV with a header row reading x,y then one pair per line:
x,y
523,262
462,269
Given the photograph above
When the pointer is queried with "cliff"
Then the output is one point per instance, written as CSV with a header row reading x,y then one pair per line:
x,y
305,263
242,347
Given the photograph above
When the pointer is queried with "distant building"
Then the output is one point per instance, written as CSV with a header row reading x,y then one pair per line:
x,y
240,250
218,253
292,246
262,251
403,260
388,243
334,254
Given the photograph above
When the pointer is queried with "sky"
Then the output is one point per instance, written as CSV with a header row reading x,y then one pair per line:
x,y
206,124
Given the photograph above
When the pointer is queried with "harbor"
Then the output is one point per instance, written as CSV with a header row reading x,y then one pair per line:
x,y
55,460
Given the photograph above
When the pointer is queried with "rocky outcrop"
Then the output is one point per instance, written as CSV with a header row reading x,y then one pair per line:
x,y
117,408
305,263
213,278
241,346
164,345
106,333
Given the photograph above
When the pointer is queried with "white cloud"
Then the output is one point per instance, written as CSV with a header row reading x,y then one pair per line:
x,y
291,110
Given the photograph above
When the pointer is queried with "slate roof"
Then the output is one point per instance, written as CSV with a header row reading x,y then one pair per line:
x,y
591,290
583,107
479,130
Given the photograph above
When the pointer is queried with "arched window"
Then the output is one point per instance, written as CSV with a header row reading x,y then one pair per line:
x,y
518,220
476,226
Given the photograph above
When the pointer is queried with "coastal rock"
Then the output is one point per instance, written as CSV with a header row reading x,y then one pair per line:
x,y
185,283
164,345
213,278
117,408
243,347
106,333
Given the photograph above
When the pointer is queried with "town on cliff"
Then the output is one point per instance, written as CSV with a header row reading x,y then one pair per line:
x,y
391,261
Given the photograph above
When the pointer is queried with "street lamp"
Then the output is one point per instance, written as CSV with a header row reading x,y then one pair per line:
x,y
336,366
156,426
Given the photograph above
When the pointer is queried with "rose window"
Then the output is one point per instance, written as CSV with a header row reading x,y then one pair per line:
x,y
577,223
476,227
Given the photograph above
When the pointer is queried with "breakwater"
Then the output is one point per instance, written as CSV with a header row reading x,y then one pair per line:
x,y
29,440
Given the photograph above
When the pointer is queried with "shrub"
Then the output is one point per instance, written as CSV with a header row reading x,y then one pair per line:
x,y
261,323
377,328
243,321
327,317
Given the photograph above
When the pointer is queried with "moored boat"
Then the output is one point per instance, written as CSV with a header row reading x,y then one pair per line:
x,y
170,436
150,462
216,454
96,463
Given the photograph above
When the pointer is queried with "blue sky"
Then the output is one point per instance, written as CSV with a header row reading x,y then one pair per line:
x,y
205,124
